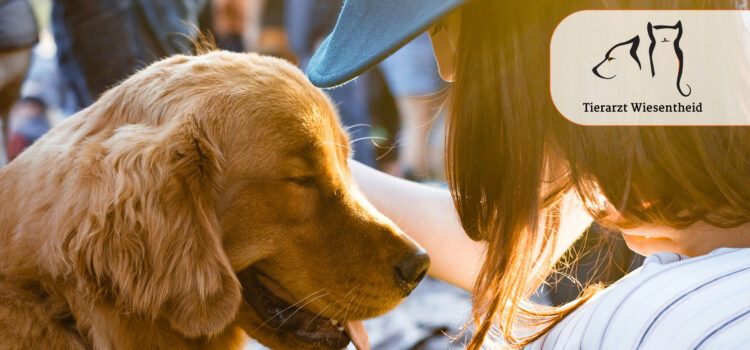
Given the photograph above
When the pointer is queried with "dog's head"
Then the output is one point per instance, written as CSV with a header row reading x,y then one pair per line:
x,y
225,192
619,58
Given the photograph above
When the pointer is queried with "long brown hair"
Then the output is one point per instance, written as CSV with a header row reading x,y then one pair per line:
x,y
505,140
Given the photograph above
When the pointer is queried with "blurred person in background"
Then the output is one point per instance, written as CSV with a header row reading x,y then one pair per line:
x,y
293,29
227,22
29,122
100,42
276,31
18,32
411,75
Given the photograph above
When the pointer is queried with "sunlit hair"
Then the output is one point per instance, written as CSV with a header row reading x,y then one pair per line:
x,y
510,155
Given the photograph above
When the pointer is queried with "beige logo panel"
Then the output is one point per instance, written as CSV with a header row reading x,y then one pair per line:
x,y
644,67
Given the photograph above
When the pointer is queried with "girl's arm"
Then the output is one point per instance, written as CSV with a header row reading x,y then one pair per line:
x,y
428,216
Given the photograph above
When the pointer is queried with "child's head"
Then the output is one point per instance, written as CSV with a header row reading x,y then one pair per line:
x,y
665,188
658,181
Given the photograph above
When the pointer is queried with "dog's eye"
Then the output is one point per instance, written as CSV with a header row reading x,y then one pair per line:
x,y
610,58
301,180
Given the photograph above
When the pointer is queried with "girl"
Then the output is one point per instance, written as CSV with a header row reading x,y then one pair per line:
x,y
520,176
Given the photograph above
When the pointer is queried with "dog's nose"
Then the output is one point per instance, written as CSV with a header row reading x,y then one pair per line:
x,y
412,269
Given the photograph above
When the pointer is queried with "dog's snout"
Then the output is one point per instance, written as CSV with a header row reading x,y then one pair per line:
x,y
412,269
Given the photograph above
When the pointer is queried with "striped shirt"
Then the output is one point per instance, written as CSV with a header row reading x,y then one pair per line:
x,y
671,302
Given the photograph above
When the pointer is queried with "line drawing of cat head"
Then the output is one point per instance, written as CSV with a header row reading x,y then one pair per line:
x,y
678,51
608,57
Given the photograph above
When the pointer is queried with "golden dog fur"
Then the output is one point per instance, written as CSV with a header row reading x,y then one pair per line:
x,y
126,226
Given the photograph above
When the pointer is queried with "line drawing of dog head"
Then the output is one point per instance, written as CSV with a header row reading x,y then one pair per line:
x,y
610,56
665,33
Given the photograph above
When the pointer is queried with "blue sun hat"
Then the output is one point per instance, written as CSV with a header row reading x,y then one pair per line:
x,y
368,31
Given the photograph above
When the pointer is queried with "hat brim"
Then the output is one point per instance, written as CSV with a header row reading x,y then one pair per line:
x,y
367,31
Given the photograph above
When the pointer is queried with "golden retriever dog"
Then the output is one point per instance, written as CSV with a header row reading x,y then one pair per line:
x,y
203,200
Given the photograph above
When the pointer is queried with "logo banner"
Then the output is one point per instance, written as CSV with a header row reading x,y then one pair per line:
x,y
652,67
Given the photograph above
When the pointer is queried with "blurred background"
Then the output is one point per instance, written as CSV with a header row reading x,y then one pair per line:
x,y
57,57
64,54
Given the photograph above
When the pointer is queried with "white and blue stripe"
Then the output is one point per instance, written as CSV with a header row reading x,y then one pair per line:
x,y
671,302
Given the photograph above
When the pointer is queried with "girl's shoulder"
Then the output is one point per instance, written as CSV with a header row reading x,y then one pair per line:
x,y
672,301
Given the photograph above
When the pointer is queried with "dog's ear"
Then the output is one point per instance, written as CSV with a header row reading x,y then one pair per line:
x,y
650,31
635,42
152,241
